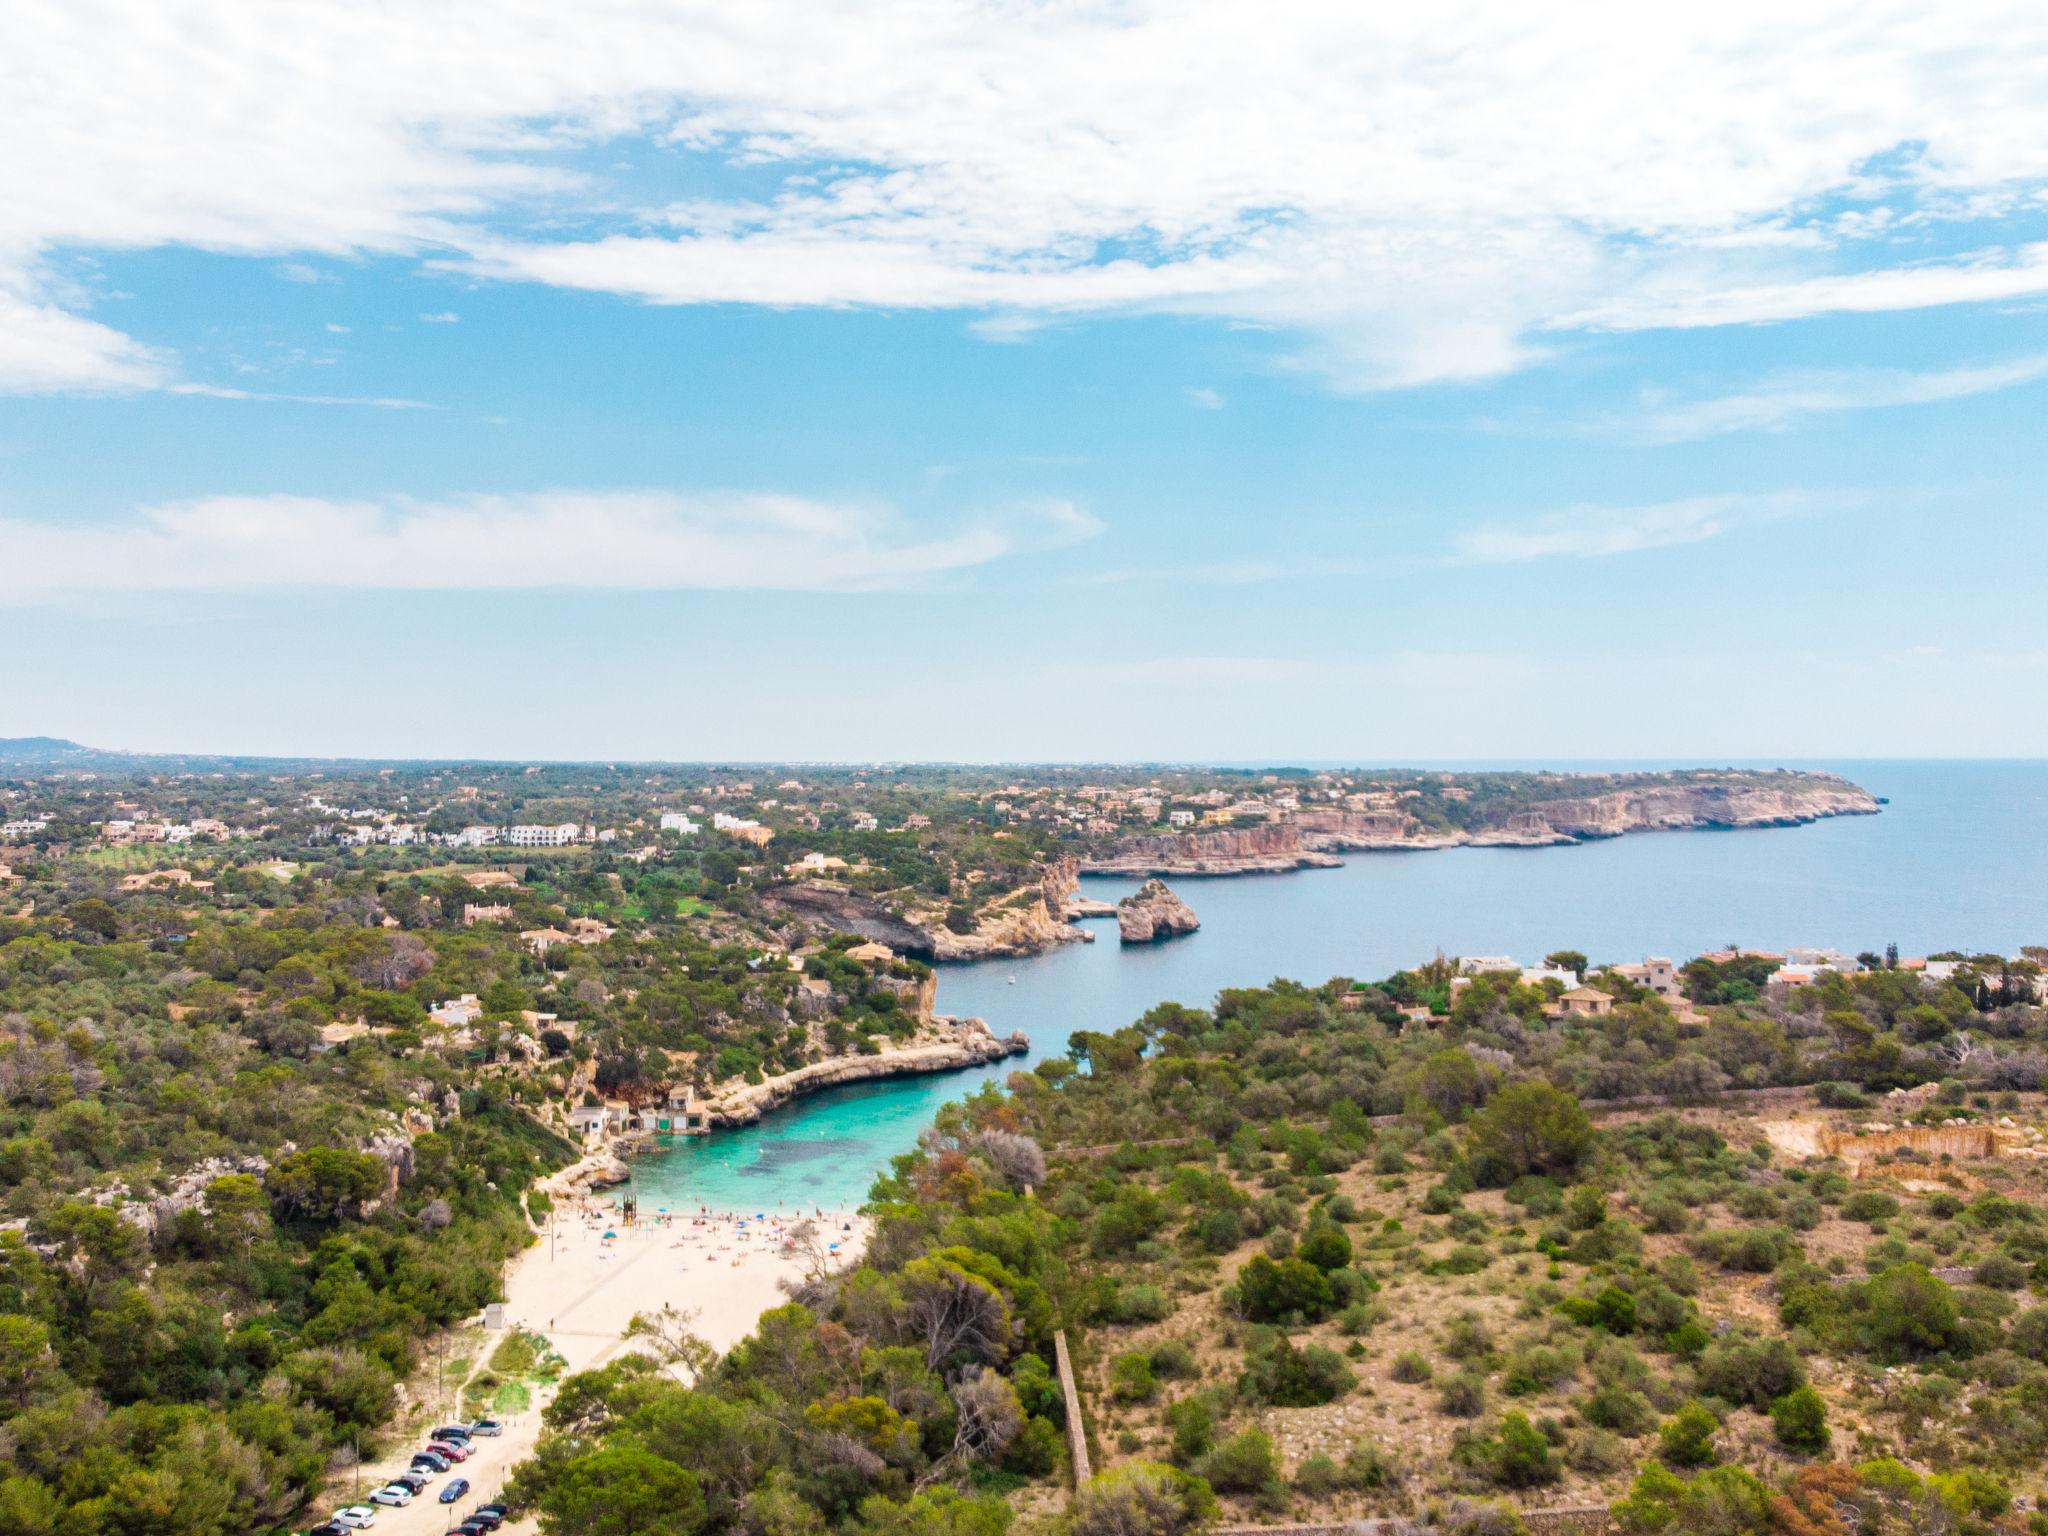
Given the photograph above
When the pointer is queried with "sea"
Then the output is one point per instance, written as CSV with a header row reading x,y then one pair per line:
x,y
1957,859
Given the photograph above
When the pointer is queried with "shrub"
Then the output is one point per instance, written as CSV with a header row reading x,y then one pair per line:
x,y
1193,1425
1621,1410
1172,1361
1869,1205
1746,1370
1412,1366
1687,1438
1463,1396
1276,1291
1752,1250
1130,1378
1288,1377
1800,1418
1142,1304
1908,1311
1519,1456
1325,1246
1142,1498
1245,1463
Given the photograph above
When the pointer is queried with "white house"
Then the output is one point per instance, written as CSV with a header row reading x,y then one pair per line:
x,y
1180,818
466,1009
678,821
526,836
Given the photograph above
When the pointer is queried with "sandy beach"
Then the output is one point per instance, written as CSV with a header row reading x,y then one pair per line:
x,y
580,1285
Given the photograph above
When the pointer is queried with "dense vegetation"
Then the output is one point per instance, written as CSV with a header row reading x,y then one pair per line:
x,y
1317,1261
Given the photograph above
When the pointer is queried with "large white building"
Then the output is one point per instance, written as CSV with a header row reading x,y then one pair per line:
x,y
678,821
544,837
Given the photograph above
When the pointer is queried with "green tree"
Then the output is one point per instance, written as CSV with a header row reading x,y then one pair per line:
x,y
1528,1127
1800,1418
622,1490
1687,1438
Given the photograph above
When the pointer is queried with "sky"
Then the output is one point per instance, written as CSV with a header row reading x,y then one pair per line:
x,y
1055,381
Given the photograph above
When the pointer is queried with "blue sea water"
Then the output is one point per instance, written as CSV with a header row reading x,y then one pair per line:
x,y
1958,859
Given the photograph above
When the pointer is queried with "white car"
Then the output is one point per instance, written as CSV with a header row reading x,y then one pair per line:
x,y
394,1493
356,1517
487,1427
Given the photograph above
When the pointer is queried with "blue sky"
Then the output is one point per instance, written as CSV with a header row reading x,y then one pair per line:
x,y
1063,383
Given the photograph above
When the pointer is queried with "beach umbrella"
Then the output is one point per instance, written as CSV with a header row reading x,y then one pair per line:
x,y
611,1234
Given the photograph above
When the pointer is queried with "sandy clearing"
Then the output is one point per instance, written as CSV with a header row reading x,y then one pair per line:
x,y
579,1290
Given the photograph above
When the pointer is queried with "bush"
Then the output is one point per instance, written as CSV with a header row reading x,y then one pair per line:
x,y
1463,1396
1284,1290
1325,1246
1193,1424
1839,1096
1519,1456
1142,1304
1142,1498
1750,1371
1288,1377
1800,1418
1130,1378
1869,1205
1173,1361
1412,1367
1621,1410
1750,1250
1908,1311
1245,1463
1687,1438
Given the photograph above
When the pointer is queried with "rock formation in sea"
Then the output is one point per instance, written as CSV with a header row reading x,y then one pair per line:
x,y
1152,912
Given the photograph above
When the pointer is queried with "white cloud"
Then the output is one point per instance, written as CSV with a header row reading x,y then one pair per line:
x,y
1983,278
441,317
1203,398
1591,532
44,349
1414,196
336,330
592,540
1787,399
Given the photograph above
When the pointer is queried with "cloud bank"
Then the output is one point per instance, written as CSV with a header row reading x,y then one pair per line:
x,y
1412,196
559,540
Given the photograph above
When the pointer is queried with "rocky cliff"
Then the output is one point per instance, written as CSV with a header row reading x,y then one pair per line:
x,y
1314,837
1266,848
1026,922
953,1044
1153,912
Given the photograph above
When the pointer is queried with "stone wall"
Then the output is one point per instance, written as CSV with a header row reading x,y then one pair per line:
x,y
1077,1428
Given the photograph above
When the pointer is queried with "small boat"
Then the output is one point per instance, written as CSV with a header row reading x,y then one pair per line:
x,y
1013,981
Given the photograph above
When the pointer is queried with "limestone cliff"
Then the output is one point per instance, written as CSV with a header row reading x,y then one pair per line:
x,y
1313,837
1025,922
949,1045
1153,912
1267,848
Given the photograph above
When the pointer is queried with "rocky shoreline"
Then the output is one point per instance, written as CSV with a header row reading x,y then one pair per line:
x,y
1314,839
973,1044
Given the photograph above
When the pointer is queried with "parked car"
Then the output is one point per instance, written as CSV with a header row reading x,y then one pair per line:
x,y
472,1527
452,1432
487,1427
449,1449
433,1460
415,1479
356,1517
328,1528
392,1493
490,1516
494,1508
455,1490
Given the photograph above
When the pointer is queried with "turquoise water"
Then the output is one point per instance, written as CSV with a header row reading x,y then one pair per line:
x,y
1958,859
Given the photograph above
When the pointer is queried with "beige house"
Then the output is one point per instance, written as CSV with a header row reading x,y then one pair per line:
x,y
1582,1003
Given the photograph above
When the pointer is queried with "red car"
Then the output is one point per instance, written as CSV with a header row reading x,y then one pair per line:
x,y
446,1448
